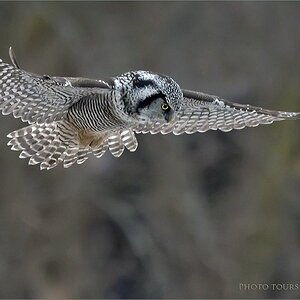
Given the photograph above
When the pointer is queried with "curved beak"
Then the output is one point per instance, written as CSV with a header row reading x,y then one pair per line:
x,y
170,116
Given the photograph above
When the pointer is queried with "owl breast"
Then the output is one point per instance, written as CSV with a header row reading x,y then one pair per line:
x,y
95,113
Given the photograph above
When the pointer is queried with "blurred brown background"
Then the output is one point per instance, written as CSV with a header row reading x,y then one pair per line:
x,y
184,216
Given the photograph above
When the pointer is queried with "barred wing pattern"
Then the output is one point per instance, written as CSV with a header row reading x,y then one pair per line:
x,y
34,98
201,112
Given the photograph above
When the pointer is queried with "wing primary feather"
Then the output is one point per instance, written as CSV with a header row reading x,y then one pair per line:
x,y
13,57
215,100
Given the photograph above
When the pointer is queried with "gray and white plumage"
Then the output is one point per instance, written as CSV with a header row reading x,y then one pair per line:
x,y
71,117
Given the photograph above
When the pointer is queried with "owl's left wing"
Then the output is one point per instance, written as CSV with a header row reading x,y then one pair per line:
x,y
41,99
201,112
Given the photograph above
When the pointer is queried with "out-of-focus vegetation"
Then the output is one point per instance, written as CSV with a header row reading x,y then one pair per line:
x,y
184,216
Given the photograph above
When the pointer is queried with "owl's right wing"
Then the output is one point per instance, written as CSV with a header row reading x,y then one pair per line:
x,y
200,112
42,99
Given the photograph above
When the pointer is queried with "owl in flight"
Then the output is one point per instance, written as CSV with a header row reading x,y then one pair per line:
x,y
71,117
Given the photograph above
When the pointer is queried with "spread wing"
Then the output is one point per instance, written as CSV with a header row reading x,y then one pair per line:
x,y
40,99
201,112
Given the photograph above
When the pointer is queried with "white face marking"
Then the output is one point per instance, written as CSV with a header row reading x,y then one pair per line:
x,y
145,92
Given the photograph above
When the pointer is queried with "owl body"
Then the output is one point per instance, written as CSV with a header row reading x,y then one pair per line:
x,y
72,117
95,113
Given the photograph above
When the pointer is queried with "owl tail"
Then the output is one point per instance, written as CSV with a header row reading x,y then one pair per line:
x,y
56,142
45,144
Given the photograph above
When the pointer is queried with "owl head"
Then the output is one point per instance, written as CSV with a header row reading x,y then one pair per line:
x,y
146,96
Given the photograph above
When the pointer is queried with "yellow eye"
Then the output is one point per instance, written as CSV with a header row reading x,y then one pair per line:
x,y
165,106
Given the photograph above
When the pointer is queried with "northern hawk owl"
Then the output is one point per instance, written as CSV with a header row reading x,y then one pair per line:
x,y
71,117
